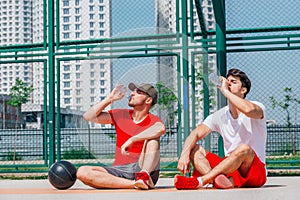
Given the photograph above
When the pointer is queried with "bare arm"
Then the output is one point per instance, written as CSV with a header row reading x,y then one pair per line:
x,y
155,131
96,113
248,108
197,134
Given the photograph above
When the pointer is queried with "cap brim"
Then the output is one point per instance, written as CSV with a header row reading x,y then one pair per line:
x,y
132,86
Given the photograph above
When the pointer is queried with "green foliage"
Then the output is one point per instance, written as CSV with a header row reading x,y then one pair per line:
x,y
166,96
285,104
166,101
288,100
81,153
19,93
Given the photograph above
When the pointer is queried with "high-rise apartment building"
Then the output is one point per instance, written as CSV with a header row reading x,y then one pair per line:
x,y
15,28
82,82
166,23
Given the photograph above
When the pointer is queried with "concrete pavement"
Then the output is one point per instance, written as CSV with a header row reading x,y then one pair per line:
x,y
283,188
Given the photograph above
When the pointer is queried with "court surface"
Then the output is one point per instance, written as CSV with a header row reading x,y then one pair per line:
x,y
283,188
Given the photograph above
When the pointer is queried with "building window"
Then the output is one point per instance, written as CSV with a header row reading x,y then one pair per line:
x,y
101,16
91,8
92,66
77,26
101,24
92,74
77,67
102,82
91,24
101,33
67,100
66,35
77,2
92,99
77,10
91,33
101,66
101,8
66,19
91,16
67,84
77,18
67,92
92,90
67,76
77,75
66,3
77,83
66,67
92,82
66,27
66,11
77,35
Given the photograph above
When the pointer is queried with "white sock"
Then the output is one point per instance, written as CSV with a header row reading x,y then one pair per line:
x,y
200,181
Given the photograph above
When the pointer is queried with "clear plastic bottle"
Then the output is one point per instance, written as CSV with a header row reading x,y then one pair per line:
x,y
215,79
122,88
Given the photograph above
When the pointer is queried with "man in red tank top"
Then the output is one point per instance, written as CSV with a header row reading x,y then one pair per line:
x,y
138,134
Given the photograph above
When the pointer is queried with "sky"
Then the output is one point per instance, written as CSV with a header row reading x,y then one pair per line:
x,y
129,15
133,18
272,71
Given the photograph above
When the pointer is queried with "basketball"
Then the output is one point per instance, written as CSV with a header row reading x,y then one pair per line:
x,y
62,175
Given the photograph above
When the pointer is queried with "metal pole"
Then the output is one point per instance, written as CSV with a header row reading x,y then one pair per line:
x,y
185,71
219,10
51,72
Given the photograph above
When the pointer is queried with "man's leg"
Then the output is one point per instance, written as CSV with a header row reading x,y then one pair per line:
x,y
148,162
240,159
199,161
201,167
98,177
150,155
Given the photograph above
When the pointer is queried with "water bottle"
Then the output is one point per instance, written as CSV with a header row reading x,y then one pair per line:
x,y
215,79
122,88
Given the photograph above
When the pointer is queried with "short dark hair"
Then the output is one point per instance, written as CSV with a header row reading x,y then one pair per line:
x,y
243,77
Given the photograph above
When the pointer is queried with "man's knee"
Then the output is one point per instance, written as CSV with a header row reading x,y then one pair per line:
x,y
197,152
152,145
244,150
82,172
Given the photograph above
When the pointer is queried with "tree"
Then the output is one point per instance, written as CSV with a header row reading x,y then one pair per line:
x,y
285,104
166,101
20,94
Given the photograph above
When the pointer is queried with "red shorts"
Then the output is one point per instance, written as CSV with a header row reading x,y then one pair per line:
x,y
256,176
